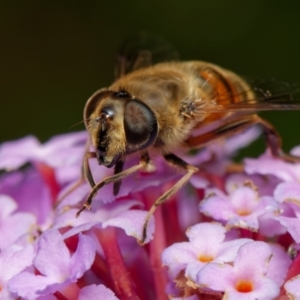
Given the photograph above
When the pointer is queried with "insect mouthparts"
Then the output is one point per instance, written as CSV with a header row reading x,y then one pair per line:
x,y
100,153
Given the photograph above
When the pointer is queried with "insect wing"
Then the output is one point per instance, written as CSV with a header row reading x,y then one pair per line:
x,y
269,95
143,50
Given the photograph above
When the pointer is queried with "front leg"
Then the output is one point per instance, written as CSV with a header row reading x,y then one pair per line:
x,y
175,161
86,170
144,161
118,169
85,175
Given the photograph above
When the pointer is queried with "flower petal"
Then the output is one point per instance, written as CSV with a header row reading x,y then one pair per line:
x,y
213,232
266,164
8,206
177,256
29,285
53,256
14,154
83,257
288,192
279,264
292,225
215,276
292,288
258,253
15,259
94,291
132,221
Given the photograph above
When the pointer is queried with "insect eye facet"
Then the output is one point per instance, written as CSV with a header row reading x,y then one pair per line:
x,y
140,126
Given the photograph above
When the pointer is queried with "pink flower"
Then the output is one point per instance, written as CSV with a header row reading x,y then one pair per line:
x,y
241,208
266,164
242,280
287,191
57,268
206,244
63,153
48,253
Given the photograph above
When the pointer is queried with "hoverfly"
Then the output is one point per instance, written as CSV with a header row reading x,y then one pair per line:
x,y
165,105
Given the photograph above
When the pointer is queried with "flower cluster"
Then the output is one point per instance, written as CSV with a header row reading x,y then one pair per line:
x,y
232,232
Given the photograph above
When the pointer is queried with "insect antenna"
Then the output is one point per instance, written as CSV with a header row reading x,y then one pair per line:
x,y
83,121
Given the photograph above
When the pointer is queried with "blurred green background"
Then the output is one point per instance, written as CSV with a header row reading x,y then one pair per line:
x,y
55,54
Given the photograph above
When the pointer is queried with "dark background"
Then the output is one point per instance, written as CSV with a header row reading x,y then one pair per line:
x,y
55,54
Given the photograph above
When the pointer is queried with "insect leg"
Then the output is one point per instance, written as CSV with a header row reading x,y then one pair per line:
x,y
225,130
144,161
118,169
86,175
179,163
272,136
274,141
233,127
86,170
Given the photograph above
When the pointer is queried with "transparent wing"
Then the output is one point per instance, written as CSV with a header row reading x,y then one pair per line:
x,y
143,50
270,95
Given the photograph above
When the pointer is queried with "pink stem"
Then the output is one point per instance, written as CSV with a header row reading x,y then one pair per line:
x,y
124,285
49,178
156,247
100,269
170,217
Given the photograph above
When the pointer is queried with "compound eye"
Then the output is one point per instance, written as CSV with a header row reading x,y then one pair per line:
x,y
93,103
140,126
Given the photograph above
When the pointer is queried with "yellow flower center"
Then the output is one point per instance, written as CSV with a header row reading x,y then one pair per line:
x,y
205,258
244,212
244,286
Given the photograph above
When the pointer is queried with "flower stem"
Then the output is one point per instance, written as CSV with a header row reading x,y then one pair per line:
x,y
49,178
100,269
123,283
156,247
